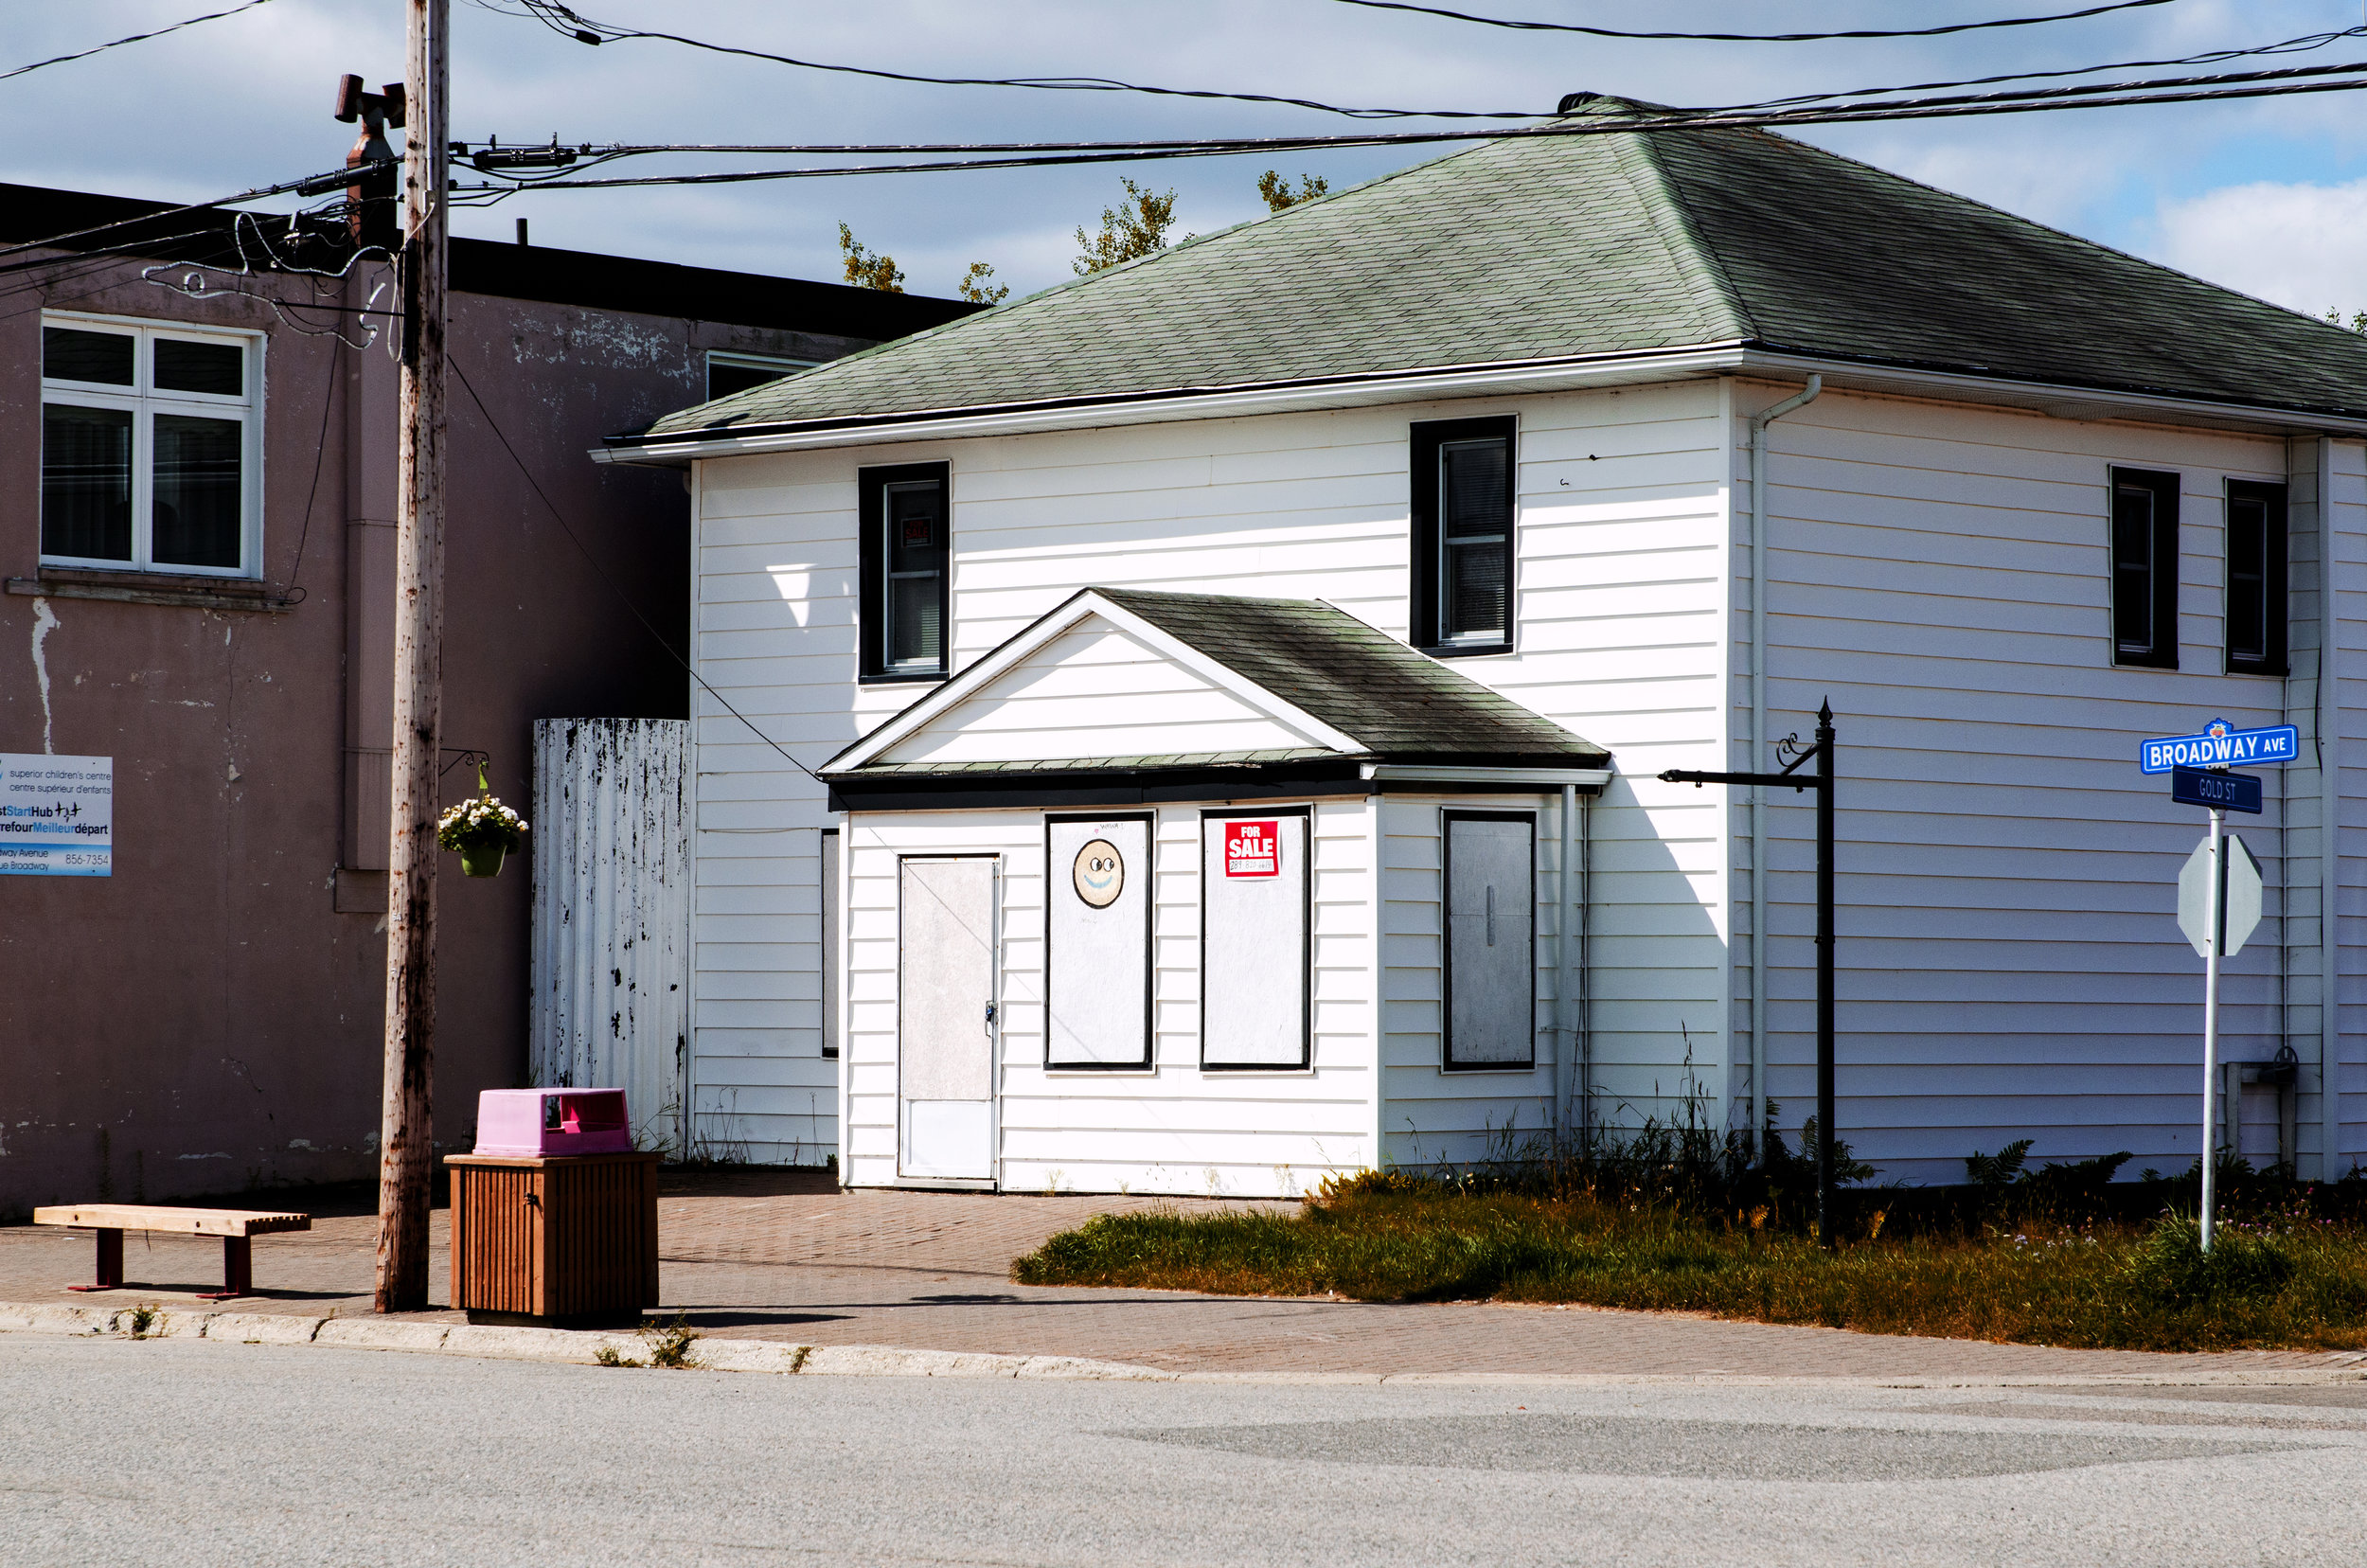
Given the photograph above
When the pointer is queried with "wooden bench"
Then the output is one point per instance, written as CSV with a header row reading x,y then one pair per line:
x,y
237,1228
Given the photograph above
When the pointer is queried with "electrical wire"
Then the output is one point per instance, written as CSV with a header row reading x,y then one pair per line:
x,y
315,181
320,447
1754,38
2094,95
135,38
569,24
647,625
2303,45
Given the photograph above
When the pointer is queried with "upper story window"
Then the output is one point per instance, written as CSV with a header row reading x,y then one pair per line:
x,y
150,440
2256,577
1463,536
2145,568
907,572
730,373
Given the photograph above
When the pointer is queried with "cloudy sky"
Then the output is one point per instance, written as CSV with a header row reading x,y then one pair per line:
x,y
2268,196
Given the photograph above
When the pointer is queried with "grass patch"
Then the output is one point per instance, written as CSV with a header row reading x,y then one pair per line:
x,y
2282,1280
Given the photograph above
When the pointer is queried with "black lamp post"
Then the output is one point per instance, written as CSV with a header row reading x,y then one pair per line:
x,y
1821,781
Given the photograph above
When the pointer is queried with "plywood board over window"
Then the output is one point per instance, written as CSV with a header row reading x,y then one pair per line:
x,y
1255,940
1491,940
1097,899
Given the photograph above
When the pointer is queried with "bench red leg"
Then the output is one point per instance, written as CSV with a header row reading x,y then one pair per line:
x,y
238,1270
110,1263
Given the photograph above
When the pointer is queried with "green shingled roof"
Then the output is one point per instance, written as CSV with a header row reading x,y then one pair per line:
x,y
1398,704
1540,248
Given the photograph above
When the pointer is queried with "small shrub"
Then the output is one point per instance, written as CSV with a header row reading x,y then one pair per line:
x,y
606,1355
144,1319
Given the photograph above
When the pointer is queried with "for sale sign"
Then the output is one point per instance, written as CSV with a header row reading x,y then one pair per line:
x,y
1253,849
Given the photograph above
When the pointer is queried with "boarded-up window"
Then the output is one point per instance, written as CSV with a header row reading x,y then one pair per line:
x,y
1255,939
1491,939
1097,901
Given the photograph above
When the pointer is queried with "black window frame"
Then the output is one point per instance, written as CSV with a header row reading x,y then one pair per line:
x,y
2275,544
1149,1063
2159,649
871,616
1447,819
1427,620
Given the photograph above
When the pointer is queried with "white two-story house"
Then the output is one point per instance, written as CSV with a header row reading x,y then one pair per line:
x,y
1198,728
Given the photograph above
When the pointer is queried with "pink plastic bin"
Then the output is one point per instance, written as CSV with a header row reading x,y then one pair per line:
x,y
536,1122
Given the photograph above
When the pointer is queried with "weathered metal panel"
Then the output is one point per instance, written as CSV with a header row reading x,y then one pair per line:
x,y
611,843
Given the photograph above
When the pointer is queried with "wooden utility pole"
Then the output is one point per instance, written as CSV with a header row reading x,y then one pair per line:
x,y
407,1130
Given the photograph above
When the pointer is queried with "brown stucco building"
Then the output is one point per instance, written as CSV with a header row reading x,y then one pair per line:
x,y
199,585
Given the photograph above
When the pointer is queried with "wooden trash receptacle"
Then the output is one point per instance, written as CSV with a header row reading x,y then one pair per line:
x,y
564,1238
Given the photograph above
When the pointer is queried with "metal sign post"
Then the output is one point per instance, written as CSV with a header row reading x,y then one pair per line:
x,y
1821,781
2214,943
2219,892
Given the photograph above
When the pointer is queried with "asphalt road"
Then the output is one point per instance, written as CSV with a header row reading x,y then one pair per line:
x,y
190,1453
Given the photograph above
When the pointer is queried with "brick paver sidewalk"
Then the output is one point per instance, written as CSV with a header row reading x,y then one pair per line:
x,y
781,1254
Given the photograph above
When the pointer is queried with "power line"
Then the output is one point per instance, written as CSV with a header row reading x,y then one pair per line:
x,y
135,38
1752,38
2094,96
593,561
568,24
312,184
2210,57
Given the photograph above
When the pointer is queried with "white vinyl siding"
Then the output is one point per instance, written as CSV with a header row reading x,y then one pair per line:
x,y
1433,1118
2009,966
1622,507
1173,1128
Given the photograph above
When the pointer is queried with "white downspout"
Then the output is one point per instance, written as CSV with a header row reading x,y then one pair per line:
x,y
1565,948
2329,740
1758,745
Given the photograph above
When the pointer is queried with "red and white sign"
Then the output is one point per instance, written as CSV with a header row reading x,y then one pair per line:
x,y
1253,849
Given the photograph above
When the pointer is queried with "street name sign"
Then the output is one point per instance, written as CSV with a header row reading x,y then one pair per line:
x,y
2224,792
2221,745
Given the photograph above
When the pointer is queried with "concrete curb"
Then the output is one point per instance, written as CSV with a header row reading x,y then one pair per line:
x,y
500,1343
780,1358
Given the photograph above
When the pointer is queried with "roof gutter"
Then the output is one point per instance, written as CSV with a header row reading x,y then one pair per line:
x,y
1567,373
2056,399
1586,780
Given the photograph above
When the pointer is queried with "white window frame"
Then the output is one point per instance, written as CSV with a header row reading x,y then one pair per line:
x,y
144,402
751,362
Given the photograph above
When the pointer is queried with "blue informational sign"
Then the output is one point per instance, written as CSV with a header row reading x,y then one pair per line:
x,y
2226,792
2220,745
56,815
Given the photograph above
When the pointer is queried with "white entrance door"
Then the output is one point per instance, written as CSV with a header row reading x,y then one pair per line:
x,y
945,1016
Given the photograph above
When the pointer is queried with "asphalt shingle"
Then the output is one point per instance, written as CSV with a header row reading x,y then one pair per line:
x,y
1399,703
1546,247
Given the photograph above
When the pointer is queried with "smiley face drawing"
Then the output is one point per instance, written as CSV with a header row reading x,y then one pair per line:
x,y
1100,874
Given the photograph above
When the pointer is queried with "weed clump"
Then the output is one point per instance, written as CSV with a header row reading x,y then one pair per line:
x,y
2170,1268
669,1343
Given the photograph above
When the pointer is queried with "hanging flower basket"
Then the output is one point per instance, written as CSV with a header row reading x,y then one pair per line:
x,y
483,830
